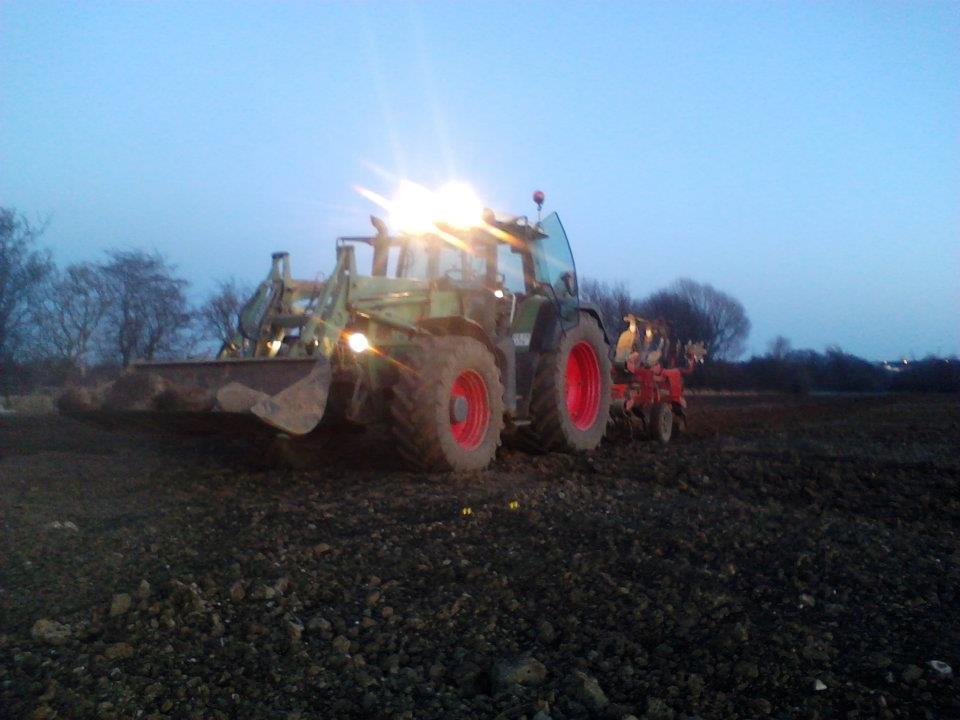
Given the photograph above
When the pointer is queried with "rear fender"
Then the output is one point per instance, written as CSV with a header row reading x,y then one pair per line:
x,y
547,328
595,311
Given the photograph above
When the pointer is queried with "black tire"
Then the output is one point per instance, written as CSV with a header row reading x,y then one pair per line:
x,y
423,405
661,422
554,423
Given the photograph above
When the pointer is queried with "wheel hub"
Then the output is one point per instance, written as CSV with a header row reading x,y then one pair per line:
x,y
459,407
469,409
583,385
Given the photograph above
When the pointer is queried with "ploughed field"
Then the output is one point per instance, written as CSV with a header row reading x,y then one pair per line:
x,y
788,557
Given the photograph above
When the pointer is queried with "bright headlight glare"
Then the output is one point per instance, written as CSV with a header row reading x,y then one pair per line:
x,y
358,342
416,209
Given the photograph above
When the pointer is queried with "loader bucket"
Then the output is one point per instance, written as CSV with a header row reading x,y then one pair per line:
x,y
289,395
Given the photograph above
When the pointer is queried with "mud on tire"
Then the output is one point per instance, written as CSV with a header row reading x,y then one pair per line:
x,y
447,409
570,402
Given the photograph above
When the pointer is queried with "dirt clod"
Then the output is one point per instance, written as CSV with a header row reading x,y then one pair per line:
x,y
119,651
587,690
120,604
50,631
518,671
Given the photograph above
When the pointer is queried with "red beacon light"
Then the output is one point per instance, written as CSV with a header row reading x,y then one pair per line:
x,y
538,198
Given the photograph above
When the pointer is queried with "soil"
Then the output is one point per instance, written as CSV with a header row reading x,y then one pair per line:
x,y
786,557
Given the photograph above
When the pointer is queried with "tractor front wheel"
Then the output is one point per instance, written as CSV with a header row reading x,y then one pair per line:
x,y
570,404
447,408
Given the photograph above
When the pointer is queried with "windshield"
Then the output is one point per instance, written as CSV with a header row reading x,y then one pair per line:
x,y
430,257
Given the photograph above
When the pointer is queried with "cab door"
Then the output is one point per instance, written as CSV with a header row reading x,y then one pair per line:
x,y
555,271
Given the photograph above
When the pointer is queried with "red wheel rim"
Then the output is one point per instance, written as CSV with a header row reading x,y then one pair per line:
x,y
583,385
470,386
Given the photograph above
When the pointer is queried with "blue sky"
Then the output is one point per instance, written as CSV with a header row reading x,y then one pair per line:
x,y
804,157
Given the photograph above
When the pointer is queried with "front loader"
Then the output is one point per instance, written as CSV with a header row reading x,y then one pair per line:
x,y
457,337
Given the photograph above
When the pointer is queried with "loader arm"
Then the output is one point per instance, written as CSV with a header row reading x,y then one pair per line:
x,y
299,407
324,328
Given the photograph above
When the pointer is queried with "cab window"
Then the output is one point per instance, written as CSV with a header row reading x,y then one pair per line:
x,y
449,264
510,269
414,260
457,264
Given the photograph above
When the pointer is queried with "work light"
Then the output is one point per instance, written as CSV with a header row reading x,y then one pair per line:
x,y
358,342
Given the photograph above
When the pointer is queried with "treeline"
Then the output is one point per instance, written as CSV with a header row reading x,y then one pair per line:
x,y
804,371
699,312
60,324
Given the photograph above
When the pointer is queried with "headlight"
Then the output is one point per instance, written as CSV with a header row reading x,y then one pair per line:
x,y
358,342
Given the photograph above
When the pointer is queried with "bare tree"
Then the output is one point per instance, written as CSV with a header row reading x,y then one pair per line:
x,y
74,309
779,348
687,323
694,311
218,316
24,272
726,319
613,299
700,312
148,316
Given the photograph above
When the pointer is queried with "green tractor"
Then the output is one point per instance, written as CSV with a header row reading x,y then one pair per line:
x,y
454,340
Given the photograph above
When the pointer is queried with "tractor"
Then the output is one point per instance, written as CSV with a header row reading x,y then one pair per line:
x,y
457,338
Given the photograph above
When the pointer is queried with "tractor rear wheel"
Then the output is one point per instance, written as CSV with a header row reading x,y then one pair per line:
x,y
570,404
661,422
447,408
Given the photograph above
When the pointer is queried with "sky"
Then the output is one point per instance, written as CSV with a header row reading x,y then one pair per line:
x,y
803,157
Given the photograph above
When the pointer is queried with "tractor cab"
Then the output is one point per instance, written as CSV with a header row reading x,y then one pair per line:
x,y
507,253
509,282
543,263
521,264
